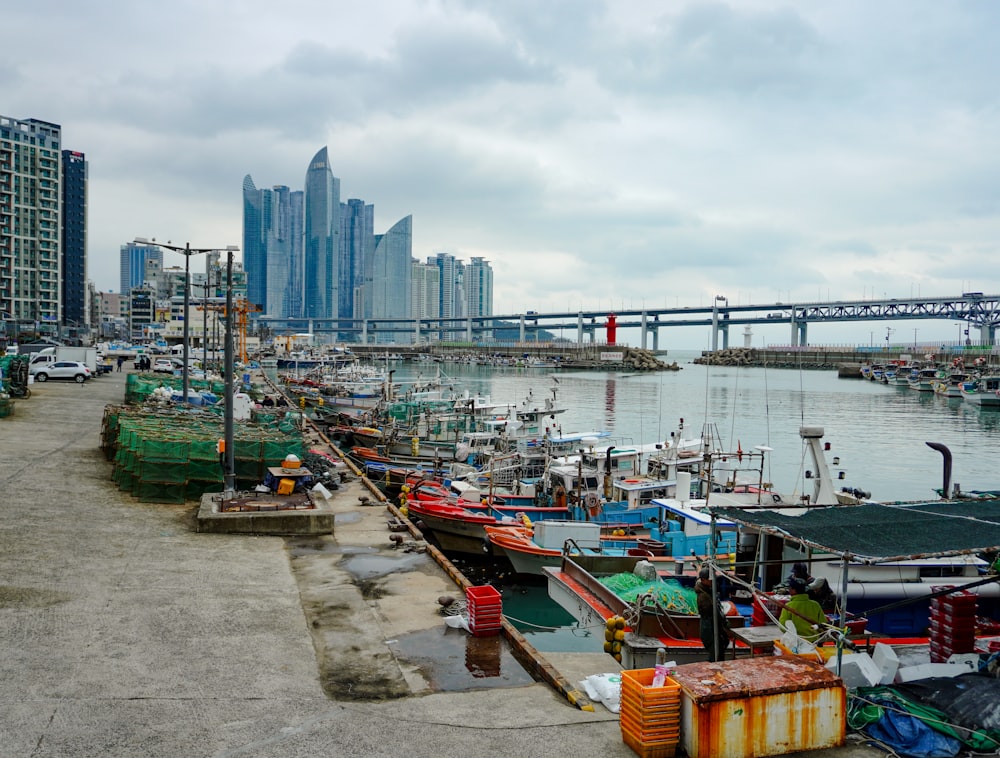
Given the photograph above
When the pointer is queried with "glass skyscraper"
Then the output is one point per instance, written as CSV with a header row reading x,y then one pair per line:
x,y
357,242
321,278
132,264
272,248
388,275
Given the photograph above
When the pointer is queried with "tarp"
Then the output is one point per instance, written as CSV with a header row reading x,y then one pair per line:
x,y
879,533
971,703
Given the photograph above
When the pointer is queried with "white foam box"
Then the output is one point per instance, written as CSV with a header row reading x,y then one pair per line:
x,y
928,670
552,534
857,670
887,661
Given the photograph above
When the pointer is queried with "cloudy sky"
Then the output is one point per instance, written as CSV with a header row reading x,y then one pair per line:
x,y
600,153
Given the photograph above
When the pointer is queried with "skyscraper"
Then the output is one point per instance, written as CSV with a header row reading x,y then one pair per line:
x,y
132,264
320,273
30,222
357,243
74,239
272,248
388,274
479,288
425,301
452,294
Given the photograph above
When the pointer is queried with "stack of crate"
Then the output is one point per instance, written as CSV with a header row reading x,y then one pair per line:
x,y
953,625
485,609
650,716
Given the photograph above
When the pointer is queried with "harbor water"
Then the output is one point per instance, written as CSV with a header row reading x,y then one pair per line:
x,y
877,435
878,432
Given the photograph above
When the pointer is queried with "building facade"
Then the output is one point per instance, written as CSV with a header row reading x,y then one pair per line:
x,y
30,224
132,264
321,276
272,248
75,312
357,243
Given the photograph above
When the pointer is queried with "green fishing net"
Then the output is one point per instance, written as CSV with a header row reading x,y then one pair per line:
x,y
667,594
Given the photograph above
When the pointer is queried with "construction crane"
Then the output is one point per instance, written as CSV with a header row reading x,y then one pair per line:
x,y
242,308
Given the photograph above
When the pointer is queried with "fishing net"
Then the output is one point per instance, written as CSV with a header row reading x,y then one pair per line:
x,y
666,594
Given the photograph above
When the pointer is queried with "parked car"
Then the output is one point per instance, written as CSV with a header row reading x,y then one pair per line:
x,y
163,366
78,372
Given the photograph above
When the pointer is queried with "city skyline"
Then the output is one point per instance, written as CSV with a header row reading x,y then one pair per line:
x,y
764,150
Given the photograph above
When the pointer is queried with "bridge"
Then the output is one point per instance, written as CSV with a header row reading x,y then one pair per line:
x,y
974,308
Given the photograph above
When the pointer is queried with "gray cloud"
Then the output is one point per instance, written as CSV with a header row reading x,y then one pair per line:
x,y
647,151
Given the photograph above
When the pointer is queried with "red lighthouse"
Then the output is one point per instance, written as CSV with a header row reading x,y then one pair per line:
x,y
612,328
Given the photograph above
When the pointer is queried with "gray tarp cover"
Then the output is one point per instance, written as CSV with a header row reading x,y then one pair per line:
x,y
877,533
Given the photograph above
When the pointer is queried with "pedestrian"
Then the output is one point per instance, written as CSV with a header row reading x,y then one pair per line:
x,y
802,612
121,360
713,625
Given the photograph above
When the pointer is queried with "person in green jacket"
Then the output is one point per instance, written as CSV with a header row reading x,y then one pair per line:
x,y
802,612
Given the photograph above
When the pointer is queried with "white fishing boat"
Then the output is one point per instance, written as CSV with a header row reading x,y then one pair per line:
x,y
984,391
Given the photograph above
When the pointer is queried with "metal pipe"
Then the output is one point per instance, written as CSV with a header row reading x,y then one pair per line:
x,y
187,304
946,455
229,476
843,609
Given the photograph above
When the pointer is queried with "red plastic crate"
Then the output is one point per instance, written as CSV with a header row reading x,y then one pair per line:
x,y
486,632
485,594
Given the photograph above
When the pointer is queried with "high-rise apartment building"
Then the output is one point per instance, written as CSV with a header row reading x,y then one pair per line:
x,y
425,301
479,287
30,223
132,264
321,277
74,239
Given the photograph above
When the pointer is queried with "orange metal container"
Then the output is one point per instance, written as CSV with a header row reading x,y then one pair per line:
x,y
770,705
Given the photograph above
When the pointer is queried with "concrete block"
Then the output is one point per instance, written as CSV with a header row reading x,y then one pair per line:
x,y
928,670
857,670
887,661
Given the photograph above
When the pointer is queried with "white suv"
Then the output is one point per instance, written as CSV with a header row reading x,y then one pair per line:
x,y
74,370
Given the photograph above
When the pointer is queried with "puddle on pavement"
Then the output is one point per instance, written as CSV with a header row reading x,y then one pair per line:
x,y
452,660
372,566
298,547
346,518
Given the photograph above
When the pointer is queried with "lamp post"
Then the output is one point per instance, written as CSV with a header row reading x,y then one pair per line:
x,y
187,251
229,476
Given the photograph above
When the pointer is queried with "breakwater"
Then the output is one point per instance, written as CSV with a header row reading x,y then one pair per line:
x,y
846,361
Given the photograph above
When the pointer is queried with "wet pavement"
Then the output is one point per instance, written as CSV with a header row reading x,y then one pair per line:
x,y
125,632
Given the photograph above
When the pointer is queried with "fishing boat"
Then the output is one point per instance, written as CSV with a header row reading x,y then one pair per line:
x,y
984,391
924,378
664,532
659,614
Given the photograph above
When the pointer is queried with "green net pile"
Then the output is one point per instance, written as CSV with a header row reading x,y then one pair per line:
x,y
668,594
171,455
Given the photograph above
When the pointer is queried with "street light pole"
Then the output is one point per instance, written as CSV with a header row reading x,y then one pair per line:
x,y
187,251
187,306
229,475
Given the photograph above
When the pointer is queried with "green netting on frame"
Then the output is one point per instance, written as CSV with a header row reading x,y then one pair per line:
x,y
170,455
668,594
